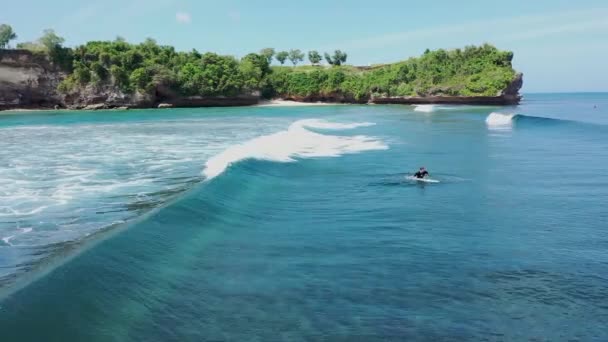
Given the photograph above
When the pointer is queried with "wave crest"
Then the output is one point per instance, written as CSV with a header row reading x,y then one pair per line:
x,y
500,120
425,108
295,142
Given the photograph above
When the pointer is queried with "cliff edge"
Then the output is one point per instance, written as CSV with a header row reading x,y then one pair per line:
x,y
28,80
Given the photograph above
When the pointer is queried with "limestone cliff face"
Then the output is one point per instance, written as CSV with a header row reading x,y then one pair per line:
x,y
512,90
329,98
106,97
28,81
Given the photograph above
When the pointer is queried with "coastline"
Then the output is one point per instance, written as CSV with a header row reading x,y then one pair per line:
x,y
31,82
290,102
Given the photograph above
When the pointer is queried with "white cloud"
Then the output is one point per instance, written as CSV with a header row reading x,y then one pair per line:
x,y
511,29
183,17
575,27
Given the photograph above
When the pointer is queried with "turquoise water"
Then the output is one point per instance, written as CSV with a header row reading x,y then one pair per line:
x,y
299,224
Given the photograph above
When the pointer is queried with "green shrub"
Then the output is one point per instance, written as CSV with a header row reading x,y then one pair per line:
x,y
474,70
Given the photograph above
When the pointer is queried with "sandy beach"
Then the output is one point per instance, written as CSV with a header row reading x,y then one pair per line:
x,y
286,103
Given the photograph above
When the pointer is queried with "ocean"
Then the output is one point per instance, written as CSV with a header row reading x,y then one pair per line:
x,y
299,224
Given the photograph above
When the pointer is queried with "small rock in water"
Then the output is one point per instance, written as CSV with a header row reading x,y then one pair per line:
x,y
96,106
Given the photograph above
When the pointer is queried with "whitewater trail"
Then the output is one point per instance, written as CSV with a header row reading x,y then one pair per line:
x,y
295,142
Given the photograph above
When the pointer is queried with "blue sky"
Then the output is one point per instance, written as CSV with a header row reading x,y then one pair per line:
x,y
560,45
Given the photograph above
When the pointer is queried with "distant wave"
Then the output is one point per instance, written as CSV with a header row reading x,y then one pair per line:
x,y
298,141
431,108
425,108
502,120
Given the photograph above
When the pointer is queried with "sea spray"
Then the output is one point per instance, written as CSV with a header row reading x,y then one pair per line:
x,y
499,120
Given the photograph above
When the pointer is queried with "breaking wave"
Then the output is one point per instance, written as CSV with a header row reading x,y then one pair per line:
x,y
431,108
298,141
498,120
425,108
506,121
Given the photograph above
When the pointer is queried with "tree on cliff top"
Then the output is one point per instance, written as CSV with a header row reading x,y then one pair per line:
x,y
268,53
338,58
6,35
296,56
259,61
314,57
50,40
282,57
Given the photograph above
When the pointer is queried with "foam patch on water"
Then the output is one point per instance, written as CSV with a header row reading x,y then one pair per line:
x,y
431,108
500,120
22,231
425,108
7,240
295,142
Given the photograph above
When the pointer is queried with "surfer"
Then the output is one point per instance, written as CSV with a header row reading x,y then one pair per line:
x,y
421,173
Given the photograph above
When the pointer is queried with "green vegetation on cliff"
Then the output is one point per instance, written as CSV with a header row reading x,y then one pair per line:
x,y
145,67
6,35
151,68
472,71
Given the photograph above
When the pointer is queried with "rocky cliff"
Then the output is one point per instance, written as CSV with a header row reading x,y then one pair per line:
x,y
28,80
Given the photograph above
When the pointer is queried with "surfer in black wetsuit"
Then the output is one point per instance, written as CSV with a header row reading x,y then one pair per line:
x,y
421,173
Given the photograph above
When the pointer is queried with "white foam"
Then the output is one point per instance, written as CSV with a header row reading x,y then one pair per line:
x,y
67,181
295,142
426,180
425,108
322,124
499,120
7,240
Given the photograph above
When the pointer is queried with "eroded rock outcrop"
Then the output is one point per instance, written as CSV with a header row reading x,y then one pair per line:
x,y
28,80
106,97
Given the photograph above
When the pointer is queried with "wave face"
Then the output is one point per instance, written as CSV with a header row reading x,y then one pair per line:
x,y
309,248
506,121
60,184
298,141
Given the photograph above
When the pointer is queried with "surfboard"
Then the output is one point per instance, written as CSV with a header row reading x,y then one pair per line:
x,y
424,180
